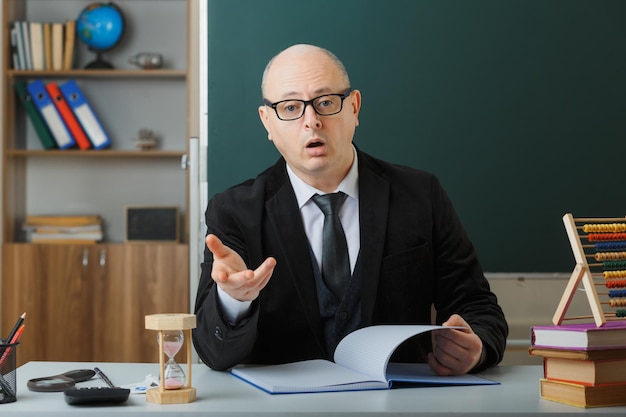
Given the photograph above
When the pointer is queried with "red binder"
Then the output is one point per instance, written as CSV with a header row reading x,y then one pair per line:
x,y
68,116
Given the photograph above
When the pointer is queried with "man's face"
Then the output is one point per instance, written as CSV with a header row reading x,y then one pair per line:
x,y
318,148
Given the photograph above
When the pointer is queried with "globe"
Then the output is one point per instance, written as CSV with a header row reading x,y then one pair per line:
x,y
100,26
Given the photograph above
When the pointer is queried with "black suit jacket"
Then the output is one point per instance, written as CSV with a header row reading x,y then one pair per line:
x,y
414,252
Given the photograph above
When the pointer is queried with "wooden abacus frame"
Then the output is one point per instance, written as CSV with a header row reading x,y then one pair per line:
x,y
581,273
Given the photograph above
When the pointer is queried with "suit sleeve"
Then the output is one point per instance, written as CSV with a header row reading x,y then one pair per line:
x,y
219,344
461,285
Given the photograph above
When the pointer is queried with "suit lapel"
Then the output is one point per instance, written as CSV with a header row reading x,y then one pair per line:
x,y
373,208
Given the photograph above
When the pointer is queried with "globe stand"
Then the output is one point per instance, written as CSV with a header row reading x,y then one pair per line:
x,y
168,322
99,62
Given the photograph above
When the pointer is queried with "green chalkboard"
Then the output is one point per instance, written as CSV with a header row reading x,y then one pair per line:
x,y
518,106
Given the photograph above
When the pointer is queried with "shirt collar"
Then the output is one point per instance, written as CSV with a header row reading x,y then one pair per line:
x,y
349,185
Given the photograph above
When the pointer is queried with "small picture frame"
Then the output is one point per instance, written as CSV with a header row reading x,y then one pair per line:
x,y
152,224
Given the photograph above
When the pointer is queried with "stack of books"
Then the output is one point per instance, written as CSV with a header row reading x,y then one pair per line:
x,y
85,229
43,45
583,365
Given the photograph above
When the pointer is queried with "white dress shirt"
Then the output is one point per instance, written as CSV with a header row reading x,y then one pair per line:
x,y
313,220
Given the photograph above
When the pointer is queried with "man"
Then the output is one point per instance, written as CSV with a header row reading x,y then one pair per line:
x,y
408,253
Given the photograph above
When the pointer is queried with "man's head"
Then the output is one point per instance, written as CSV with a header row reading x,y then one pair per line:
x,y
317,145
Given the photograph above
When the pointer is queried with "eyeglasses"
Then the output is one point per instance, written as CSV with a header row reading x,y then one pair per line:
x,y
325,105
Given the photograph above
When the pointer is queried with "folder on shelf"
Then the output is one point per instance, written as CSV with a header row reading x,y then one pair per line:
x,y
68,116
36,45
68,50
85,114
50,114
47,141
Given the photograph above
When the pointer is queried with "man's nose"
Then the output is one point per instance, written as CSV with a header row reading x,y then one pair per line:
x,y
311,118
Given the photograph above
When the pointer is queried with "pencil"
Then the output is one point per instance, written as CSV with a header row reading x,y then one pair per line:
x,y
19,322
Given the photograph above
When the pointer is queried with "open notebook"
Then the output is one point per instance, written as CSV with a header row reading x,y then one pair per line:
x,y
361,363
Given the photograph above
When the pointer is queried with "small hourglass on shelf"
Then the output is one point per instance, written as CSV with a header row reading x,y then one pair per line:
x,y
174,329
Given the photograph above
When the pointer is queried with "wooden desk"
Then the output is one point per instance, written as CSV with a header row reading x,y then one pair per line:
x,y
220,394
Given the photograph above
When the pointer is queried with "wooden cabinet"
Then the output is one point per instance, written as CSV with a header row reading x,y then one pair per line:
x,y
88,302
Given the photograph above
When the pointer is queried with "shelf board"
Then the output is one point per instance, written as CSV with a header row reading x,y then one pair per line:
x,y
107,153
82,73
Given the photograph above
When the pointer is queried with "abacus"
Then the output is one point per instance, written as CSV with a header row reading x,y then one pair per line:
x,y
599,247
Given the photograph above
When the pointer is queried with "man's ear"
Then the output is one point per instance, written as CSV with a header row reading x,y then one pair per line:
x,y
356,105
263,115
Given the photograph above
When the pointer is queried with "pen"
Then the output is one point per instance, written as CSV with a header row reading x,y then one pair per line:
x,y
15,338
103,377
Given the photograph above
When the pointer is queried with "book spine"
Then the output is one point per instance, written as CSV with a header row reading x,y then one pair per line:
x,y
50,114
85,114
27,51
36,45
67,114
57,46
19,40
47,45
68,50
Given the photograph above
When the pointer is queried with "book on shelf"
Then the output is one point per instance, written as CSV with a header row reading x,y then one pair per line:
x,y
57,45
50,114
580,336
361,362
19,41
77,237
68,46
62,220
63,229
580,395
67,114
47,45
45,137
84,113
27,48
15,58
36,45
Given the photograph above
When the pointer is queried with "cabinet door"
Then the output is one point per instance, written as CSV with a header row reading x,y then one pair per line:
x,y
52,285
137,280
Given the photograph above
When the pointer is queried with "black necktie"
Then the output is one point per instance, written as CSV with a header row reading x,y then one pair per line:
x,y
335,260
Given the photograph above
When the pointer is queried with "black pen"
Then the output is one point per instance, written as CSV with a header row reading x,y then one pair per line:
x,y
103,377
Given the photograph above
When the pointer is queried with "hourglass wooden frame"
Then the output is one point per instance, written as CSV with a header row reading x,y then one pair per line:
x,y
603,240
162,323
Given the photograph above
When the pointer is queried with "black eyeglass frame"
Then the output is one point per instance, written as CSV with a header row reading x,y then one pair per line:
x,y
343,96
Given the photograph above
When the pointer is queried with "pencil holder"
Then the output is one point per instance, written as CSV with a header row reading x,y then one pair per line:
x,y
7,372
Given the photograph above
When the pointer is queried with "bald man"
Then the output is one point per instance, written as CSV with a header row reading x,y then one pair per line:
x,y
263,296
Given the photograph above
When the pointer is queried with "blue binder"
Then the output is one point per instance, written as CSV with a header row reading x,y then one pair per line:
x,y
50,114
85,114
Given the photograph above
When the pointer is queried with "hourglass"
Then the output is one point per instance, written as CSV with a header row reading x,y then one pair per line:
x,y
175,387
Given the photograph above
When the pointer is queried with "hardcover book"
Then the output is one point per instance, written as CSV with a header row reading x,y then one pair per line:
x,y
581,395
592,355
580,336
587,372
361,363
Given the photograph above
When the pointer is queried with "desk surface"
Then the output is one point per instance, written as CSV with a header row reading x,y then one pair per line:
x,y
220,394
